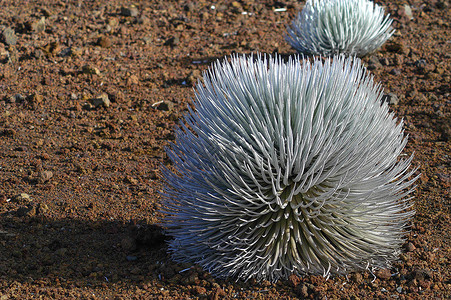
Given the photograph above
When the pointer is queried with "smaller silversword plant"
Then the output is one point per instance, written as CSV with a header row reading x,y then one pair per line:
x,y
287,167
328,27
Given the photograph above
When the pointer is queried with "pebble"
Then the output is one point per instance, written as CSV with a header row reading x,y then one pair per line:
x,y
391,98
173,41
166,106
22,198
104,42
395,71
410,247
408,11
101,100
396,47
35,100
131,11
193,77
9,36
26,211
45,176
87,69
374,63
52,48
131,258
38,26
383,274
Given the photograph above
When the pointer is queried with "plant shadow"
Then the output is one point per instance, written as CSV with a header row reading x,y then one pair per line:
x,y
80,252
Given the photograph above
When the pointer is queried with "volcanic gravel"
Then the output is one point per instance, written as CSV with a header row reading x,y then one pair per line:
x,y
90,93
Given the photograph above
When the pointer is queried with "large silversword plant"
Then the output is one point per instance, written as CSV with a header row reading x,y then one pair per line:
x,y
351,27
287,168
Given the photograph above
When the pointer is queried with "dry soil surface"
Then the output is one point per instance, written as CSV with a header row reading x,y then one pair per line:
x,y
90,92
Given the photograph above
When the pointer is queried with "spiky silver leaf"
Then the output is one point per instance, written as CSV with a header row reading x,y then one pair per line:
x,y
285,168
328,27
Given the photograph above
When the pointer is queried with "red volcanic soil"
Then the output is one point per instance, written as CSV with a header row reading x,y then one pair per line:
x,y
90,92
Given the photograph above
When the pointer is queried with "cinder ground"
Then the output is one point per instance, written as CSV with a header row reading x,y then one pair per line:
x,y
79,180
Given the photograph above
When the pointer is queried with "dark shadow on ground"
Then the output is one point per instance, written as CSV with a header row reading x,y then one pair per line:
x,y
78,251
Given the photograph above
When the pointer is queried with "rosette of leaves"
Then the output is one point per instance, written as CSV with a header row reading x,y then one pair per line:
x,y
350,27
284,168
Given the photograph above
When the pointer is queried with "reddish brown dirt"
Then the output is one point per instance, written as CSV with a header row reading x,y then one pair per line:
x,y
84,229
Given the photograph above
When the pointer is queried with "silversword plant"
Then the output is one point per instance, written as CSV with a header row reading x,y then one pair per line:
x,y
328,27
287,168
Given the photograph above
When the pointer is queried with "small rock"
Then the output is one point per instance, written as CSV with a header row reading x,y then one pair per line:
x,y
408,11
131,258
18,98
193,77
22,199
166,106
384,61
423,67
410,247
45,176
173,41
395,71
131,11
101,100
27,211
391,98
104,42
373,63
9,36
87,69
383,274
38,26
35,100
396,47
52,49
421,274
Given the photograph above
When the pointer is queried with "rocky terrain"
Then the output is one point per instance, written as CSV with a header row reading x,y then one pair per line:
x,y
90,92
